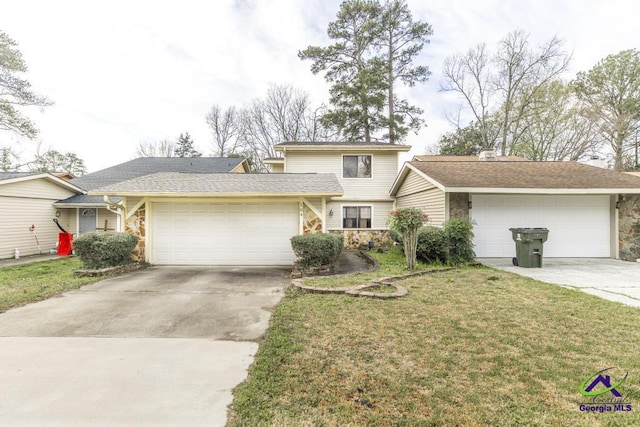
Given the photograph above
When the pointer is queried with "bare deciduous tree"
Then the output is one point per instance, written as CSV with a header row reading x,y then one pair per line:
x,y
499,88
556,127
283,115
162,148
225,130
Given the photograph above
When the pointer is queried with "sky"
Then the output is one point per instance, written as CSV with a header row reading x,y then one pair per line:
x,y
124,72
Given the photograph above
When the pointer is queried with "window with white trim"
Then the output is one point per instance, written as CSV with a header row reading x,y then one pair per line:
x,y
356,166
356,217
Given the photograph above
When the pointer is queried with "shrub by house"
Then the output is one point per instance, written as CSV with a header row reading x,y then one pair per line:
x,y
316,250
102,250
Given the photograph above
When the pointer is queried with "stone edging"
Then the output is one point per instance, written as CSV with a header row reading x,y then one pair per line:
x,y
110,270
363,290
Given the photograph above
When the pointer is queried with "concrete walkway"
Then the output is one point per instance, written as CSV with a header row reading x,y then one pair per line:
x,y
161,346
607,278
8,262
352,262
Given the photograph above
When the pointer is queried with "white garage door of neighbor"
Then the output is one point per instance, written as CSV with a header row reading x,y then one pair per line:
x,y
579,225
223,234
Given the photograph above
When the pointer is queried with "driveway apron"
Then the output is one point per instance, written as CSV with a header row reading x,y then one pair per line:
x,y
161,346
607,278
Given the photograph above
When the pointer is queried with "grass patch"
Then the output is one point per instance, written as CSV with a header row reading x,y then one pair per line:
x,y
471,347
392,263
22,284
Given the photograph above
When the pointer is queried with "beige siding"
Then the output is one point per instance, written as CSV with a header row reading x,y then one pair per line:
x,y
413,183
417,192
68,219
25,203
379,219
239,168
109,217
384,167
35,189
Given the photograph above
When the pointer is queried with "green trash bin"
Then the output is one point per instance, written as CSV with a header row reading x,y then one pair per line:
x,y
529,246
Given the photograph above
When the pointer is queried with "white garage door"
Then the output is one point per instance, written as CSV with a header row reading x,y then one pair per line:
x,y
223,234
579,226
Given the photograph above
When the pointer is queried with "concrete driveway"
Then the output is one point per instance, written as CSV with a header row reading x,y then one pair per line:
x,y
607,278
161,346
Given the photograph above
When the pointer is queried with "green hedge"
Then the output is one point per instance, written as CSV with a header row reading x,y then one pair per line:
x,y
432,245
315,250
102,250
460,238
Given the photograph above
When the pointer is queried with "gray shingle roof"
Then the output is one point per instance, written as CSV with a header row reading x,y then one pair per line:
x,y
230,184
84,199
145,166
13,175
149,165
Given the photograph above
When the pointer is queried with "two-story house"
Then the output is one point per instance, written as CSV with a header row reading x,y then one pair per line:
x,y
249,219
365,172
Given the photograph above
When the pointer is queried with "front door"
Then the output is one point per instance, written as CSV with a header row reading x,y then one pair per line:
x,y
87,221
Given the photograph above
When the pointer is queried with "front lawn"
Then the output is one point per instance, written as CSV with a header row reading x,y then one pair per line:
x,y
22,284
391,263
470,347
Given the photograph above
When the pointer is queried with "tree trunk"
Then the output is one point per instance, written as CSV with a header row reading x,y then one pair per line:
x,y
410,240
392,123
619,139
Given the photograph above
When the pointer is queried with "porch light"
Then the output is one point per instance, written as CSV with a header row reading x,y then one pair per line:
x,y
618,204
469,204
331,212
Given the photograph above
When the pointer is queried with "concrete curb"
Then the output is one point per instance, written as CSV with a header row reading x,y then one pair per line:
x,y
110,270
364,290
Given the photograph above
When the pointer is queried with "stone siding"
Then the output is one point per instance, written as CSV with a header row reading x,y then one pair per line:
x,y
459,206
312,223
629,228
353,239
136,225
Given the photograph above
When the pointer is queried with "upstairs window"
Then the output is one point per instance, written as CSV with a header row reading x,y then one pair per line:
x,y
356,217
356,166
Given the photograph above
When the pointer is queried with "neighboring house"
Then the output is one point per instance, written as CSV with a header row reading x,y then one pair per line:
x,y
365,173
26,199
83,213
589,211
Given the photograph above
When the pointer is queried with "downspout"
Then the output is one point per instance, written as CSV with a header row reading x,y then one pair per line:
x,y
118,211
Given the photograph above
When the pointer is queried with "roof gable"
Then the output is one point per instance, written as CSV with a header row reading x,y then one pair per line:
x,y
12,177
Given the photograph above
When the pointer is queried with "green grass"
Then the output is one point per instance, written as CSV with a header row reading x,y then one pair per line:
x,y
22,284
391,263
468,347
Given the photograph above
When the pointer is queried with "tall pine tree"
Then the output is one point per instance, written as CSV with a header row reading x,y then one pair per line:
x,y
375,46
357,93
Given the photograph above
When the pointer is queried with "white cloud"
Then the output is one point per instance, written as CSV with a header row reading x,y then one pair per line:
x,y
121,72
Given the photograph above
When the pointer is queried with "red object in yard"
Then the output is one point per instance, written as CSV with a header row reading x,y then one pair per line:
x,y
64,244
